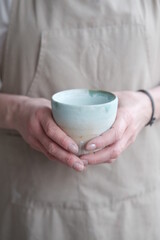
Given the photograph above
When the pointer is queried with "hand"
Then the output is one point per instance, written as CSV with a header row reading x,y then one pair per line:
x,y
35,123
134,111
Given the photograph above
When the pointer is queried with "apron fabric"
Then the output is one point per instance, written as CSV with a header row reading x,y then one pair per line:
x,y
96,44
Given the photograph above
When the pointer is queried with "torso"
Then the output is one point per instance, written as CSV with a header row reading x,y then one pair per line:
x,y
71,44
5,7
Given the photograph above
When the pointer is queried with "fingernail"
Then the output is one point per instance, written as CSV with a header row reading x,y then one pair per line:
x,y
78,166
85,162
91,146
73,148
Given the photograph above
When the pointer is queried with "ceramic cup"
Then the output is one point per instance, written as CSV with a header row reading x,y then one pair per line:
x,y
84,114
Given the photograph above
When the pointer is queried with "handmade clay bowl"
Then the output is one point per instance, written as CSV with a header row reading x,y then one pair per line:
x,y
84,114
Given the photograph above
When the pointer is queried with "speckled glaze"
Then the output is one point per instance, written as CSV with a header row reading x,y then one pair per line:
x,y
84,114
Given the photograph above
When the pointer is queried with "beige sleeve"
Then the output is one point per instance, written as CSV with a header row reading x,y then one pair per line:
x,y
5,6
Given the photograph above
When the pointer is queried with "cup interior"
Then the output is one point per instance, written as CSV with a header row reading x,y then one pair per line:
x,y
83,97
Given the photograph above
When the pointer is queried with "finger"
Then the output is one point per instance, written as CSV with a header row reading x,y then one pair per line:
x,y
54,151
114,134
111,152
61,155
36,145
57,135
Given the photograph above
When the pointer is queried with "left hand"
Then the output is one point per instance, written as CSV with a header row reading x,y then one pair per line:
x,y
134,112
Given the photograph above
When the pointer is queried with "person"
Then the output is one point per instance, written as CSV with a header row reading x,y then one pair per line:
x,y
47,191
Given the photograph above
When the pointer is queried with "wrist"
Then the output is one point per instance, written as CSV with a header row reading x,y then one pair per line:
x,y
155,92
152,118
139,106
26,107
145,107
10,106
153,96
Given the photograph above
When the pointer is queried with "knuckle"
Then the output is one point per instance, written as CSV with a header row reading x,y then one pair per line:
x,y
69,160
94,159
116,152
30,127
101,143
50,157
41,111
133,131
51,149
64,141
117,134
49,128
38,113
33,144
128,116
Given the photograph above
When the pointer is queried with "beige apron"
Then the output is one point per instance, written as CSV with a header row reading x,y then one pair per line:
x,y
60,44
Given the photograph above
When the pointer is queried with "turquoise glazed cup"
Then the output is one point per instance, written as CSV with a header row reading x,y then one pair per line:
x,y
84,114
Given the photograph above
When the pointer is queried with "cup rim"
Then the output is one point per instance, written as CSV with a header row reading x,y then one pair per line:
x,y
54,100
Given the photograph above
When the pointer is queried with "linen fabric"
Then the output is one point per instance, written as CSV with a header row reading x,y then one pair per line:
x,y
58,45
5,6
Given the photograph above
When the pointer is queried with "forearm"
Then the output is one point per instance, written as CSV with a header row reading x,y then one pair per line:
x,y
9,105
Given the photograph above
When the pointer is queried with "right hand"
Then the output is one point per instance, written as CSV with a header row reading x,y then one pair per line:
x,y
34,121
